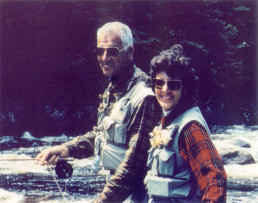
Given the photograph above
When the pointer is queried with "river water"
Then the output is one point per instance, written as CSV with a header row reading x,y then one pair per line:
x,y
25,182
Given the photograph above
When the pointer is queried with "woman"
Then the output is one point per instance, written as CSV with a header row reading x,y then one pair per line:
x,y
184,164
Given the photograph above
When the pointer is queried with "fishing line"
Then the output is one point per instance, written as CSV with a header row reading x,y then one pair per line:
x,y
63,170
53,175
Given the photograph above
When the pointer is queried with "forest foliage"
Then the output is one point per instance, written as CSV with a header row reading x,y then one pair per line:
x,y
50,79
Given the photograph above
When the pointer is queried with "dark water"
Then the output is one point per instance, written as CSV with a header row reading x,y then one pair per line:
x,y
25,182
31,187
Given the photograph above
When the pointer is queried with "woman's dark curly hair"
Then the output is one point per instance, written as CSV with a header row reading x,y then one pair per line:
x,y
177,65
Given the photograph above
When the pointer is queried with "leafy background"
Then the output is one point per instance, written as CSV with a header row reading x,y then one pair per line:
x,y
50,79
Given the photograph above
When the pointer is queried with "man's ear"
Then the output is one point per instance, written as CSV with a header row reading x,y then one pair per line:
x,y
130,52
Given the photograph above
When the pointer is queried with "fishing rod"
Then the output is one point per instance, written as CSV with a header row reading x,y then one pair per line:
x,y
33,159
63,169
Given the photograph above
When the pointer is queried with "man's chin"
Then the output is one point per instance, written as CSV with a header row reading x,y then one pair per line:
x,y
107,73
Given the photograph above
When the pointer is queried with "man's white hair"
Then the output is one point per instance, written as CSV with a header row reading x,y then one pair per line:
x,y
122,30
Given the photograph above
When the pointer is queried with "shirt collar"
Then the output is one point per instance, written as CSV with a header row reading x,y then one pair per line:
x,y
173,114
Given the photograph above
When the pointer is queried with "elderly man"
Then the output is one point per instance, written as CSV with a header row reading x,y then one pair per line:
x,y
126,115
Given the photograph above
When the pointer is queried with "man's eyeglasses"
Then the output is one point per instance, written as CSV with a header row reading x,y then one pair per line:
x,y
172,84
111,51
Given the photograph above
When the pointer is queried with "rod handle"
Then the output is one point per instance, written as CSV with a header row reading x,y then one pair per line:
x,y
66,159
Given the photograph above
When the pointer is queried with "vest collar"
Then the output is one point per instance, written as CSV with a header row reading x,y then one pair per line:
x,y
173,114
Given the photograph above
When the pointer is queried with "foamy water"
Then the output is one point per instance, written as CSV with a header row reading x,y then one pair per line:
x,y
249,171
7,197
248,134
24,181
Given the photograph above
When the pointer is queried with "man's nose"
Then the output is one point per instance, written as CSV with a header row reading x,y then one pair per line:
x,y
105,55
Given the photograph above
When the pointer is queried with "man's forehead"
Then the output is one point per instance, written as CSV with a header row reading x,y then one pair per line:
x,y
109,40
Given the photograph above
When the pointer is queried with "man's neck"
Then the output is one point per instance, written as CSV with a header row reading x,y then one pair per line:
x,y
120,79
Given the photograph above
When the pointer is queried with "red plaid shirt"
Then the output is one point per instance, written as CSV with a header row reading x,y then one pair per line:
x,y
197,149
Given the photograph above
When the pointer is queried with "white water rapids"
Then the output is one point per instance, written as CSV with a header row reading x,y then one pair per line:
x,y
24,181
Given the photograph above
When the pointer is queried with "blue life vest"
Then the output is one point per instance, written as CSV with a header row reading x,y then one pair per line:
x,y
111,142
170,176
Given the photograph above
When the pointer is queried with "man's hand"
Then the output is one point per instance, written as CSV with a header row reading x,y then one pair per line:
x,y
51,155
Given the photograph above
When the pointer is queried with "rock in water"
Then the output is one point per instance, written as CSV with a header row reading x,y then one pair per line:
x,y
239,142
237,157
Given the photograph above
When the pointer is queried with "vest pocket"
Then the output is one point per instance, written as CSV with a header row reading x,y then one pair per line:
x,y
167,162
120,133
164,162
120,115
114,129
112,156
121,111
167,187
109,128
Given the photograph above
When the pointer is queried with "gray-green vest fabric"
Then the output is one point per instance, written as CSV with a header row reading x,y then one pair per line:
x,y
170,176
112,142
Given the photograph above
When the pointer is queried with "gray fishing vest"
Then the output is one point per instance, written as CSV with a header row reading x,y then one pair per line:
x,y
170,176
112,142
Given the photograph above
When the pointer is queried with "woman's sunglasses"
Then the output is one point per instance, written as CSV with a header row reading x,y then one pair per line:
x,y
111,51
172,84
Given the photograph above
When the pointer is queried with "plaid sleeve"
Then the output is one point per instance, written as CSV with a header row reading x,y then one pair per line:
x,y
198,150
81,146
132,170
